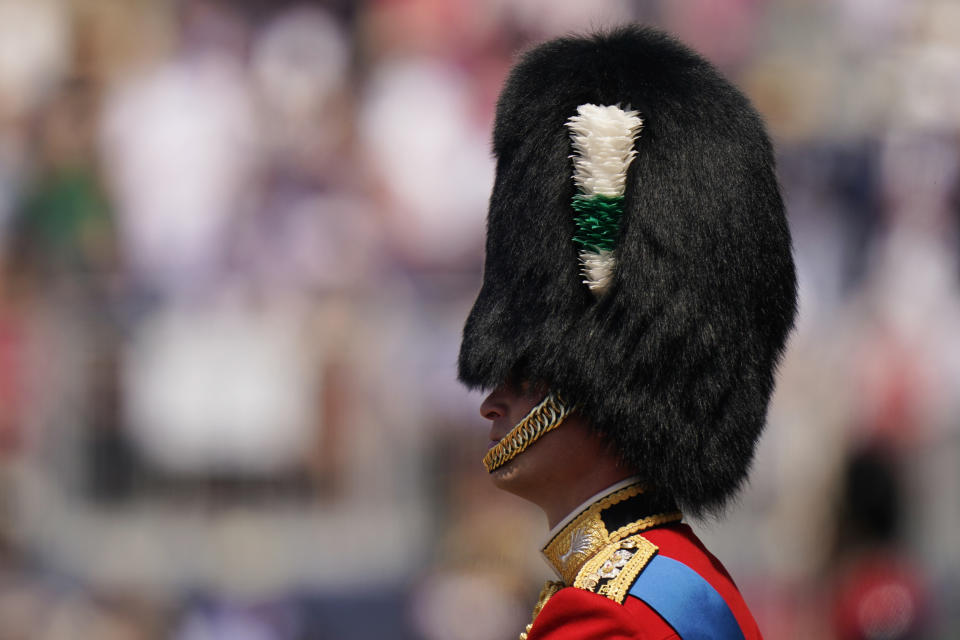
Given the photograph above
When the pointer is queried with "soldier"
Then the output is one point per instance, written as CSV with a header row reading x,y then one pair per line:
x,y
638,291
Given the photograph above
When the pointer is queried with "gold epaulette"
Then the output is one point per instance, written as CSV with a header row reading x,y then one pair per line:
x,y
609,573
612,571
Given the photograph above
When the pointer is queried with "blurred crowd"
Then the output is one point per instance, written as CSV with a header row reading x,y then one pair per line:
x,y
238,241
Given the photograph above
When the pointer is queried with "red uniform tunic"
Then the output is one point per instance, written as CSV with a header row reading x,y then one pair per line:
x,y
630,569
577,614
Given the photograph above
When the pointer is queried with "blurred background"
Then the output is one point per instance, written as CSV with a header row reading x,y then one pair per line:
x,y
238,241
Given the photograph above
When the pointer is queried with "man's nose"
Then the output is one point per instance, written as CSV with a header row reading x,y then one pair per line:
x,y
493,406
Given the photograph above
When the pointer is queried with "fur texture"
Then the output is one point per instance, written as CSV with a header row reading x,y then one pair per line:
x,y
675,364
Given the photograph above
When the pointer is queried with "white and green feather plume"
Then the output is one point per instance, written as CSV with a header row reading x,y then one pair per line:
x,y
602,139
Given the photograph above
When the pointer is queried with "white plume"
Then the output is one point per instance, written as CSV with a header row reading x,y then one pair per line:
x,y
597,270
603,144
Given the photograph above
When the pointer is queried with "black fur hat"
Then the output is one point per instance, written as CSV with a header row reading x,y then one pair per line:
x,y
675,360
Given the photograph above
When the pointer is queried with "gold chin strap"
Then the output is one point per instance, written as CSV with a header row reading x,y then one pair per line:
x,y
543,418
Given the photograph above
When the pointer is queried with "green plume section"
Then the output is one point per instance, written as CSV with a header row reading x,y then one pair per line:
x,y
598,221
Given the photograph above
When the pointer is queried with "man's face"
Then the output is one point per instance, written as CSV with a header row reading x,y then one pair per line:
x,y
551,462
507,405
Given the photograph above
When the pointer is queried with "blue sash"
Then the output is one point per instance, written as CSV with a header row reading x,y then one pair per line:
x,y
686,601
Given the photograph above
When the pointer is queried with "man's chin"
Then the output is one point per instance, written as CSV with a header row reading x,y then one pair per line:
x,y
525,474
504,475
513,477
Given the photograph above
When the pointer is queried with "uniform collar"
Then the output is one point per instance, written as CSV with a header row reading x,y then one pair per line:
x,y
619,511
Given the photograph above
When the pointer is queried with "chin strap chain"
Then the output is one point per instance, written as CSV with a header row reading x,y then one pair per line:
x,y
543,418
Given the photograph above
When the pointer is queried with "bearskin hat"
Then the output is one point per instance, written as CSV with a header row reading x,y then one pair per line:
x,y
657,295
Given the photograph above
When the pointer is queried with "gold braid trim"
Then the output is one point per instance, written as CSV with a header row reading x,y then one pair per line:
x,y
550,588
586,535
646,523
543,418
